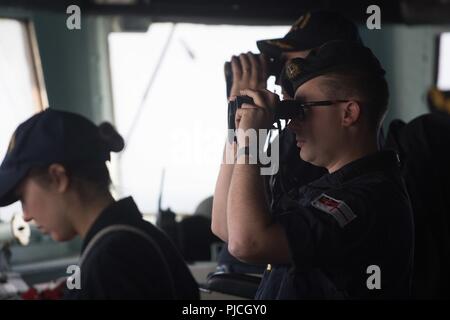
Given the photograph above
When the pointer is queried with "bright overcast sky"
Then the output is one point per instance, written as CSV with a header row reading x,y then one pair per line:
x,y
182,127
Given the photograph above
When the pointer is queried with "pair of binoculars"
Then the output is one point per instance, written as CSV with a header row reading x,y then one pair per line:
x,y
274,67
284,110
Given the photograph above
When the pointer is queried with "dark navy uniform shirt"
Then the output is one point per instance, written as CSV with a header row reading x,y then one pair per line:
x,y
339,226
293,172
125,265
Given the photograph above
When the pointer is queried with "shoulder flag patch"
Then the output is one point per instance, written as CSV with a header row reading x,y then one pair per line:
x,y
338,209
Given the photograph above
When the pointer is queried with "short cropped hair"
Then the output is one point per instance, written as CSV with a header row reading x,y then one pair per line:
x,y
372,92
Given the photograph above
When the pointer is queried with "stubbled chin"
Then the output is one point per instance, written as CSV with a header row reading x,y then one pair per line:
x,y
305,156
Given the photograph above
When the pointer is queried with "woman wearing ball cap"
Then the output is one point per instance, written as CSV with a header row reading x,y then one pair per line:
x,y
56,166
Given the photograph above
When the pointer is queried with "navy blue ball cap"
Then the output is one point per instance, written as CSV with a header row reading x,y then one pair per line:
x,y
53,136
9,179
310,31
332,56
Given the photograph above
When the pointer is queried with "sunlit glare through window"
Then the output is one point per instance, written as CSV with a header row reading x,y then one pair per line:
x,y
443,81
170,104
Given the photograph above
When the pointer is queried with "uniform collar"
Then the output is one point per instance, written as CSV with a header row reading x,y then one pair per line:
x,y
123,211
386,160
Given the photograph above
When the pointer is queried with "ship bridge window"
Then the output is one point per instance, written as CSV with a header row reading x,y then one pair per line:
x,y
170,103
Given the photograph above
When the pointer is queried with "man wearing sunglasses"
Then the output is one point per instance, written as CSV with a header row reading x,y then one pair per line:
x,y
348,234
250,71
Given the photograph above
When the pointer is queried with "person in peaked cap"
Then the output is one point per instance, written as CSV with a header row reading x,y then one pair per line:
x,y
56,167
348,234
249,71
309,31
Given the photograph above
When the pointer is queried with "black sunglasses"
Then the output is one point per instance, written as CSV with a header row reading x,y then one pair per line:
x,y
290,109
